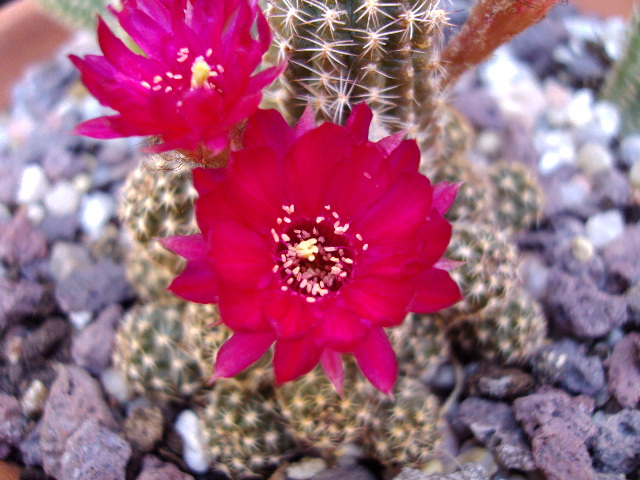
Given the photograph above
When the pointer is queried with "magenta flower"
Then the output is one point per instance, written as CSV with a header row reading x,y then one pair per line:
x,y
317,239
194,84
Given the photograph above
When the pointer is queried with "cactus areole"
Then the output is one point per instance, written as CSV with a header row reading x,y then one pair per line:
x,y
193,86
317,239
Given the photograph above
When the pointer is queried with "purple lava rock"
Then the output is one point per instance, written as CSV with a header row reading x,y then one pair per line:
x,y
155,469
624,371
93,287
92,347
19,242
564,363
61,164
94,452
579,308
12,424
560,455
74,398
549,404
616,447
31,454
622,256
22,299
500,383
493,424
479,107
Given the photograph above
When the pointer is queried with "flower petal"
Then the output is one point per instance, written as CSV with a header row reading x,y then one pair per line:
x,y
331,362
384,301
191,247
306,123
435,290
240,351
341,329
289,314
241,308
444,194
239,255
377,360
197,283
294,358
359,122
268,128
405,157
435,236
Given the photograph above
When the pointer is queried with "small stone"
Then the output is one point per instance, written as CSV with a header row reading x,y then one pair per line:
x,y
12,424
579,110
354,472
573,194
80,319
44,340
558,97
500,383
469,471
565,364
115,384
489,143
629,150
548,404
67,257
603,228
305,468
93,287
155,469
582,248
30,447
610,190
624,371
34,398
60,228
480,456
93,452
92,347
62,199
195,450
577,307
622,256
20,242
616,447
74,398
493,424
556,148
607,118
33,185
22,299
144,428
560,454
594,158
96,210
534,275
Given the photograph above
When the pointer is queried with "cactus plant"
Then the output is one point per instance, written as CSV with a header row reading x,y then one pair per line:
x,y
165,348
157,201
244,427
621,85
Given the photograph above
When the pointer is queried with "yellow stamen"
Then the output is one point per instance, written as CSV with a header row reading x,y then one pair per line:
x,y
307,249
200,72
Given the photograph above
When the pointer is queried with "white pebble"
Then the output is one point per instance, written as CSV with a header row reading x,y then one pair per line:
x,y
556,148
534,274
580,110
630,149
488,143
115,384
195,452
573,194
603,228
80,319
594,158
607,118
33,184
34,398
306,468
62,200
65,258
35,213
582,248
96,210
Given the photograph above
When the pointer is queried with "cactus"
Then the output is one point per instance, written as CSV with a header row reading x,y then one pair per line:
x,y
156,203
166,349
401,431
621,85
509,328
244,428
518,199
489,268
342,53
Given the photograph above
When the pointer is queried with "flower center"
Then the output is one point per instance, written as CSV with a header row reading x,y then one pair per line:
x,y
200,73
314,257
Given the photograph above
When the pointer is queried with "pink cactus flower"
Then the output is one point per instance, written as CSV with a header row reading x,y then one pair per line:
x,y
193,86
317,239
